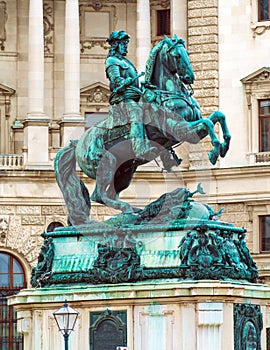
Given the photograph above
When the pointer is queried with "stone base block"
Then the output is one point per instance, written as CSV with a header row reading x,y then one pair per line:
x,y
165,315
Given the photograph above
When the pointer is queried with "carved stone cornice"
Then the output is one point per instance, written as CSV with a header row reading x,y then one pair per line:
x,y
5,94
257,82
162,3
260,75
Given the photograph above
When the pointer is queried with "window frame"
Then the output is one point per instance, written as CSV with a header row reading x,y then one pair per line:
x,y
258,26
261,236
256,88
11,319
154,8
260,117
259,12
167,14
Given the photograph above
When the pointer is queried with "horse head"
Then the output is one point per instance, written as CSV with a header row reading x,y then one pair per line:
x,y
176,59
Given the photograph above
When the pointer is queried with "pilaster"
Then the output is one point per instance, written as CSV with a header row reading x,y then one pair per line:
x,y
143,33
71,123
179,18
36,130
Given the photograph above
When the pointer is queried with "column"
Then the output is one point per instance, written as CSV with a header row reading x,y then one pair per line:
x,y
179,18
143,34
72,123
36,124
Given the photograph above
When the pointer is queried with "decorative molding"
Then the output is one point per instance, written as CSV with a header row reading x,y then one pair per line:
x,y
259,28
3,228
256,87
95,96
5,94
3,20
260,75
248,324
44,265
160,3
154,7
257,83
48,22
96,7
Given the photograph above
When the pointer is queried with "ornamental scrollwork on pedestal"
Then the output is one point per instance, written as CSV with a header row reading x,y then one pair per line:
x,y
43,270
248,324
219,254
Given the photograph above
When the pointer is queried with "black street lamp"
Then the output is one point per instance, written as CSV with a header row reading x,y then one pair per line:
x,y
66,318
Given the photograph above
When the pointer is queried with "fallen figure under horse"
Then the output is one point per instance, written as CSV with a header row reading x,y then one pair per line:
x,y
171,116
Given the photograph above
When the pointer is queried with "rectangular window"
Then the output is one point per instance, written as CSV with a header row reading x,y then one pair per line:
x,y
264,10
163,22
92,118
265,233
264,125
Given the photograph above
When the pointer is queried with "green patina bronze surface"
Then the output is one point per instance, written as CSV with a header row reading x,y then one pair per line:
x,y
144,122
248,324
193,244
172,237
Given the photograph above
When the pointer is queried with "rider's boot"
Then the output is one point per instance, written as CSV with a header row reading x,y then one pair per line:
x,y
140,143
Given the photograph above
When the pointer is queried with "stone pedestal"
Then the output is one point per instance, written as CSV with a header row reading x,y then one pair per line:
x,y
36,143
168,314
71,130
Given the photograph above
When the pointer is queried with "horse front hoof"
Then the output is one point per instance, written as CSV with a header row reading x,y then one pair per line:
x,y
224,149
213,156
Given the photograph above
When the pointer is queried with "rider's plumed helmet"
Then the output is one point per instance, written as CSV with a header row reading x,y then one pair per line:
x,y
117,36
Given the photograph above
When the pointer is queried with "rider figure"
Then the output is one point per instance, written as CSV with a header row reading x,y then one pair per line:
x,y
125,92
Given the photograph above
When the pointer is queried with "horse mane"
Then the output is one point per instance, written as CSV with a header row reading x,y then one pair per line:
x,y
150,63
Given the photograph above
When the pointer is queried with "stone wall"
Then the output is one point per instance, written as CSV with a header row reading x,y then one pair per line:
x,y
203,48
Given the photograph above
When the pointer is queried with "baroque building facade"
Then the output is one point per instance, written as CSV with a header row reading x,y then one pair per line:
x,y
53,86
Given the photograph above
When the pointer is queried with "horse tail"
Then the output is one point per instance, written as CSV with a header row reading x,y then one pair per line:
x,y
74,191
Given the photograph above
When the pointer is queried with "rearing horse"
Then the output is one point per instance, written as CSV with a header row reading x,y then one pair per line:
x,y
172,116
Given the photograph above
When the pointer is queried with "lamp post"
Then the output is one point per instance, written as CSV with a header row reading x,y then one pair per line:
x,y
66,318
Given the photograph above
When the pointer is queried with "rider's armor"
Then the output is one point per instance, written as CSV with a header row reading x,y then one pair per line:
x,y
125,94
121,72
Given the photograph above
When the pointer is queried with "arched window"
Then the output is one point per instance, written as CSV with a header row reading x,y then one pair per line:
x,y
12,280
53,225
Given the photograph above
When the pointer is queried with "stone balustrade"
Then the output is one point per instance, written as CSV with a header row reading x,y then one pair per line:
x,y
262,157
11,161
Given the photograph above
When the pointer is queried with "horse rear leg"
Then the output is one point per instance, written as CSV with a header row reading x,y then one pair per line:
x,y
218,116
104,180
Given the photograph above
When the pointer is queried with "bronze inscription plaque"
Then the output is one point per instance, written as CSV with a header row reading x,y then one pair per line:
x,y
108,329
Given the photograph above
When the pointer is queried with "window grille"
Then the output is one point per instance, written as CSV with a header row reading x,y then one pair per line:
x,y
12,279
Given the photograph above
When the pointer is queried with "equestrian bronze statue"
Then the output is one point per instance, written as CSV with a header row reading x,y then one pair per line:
x,y
143,123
